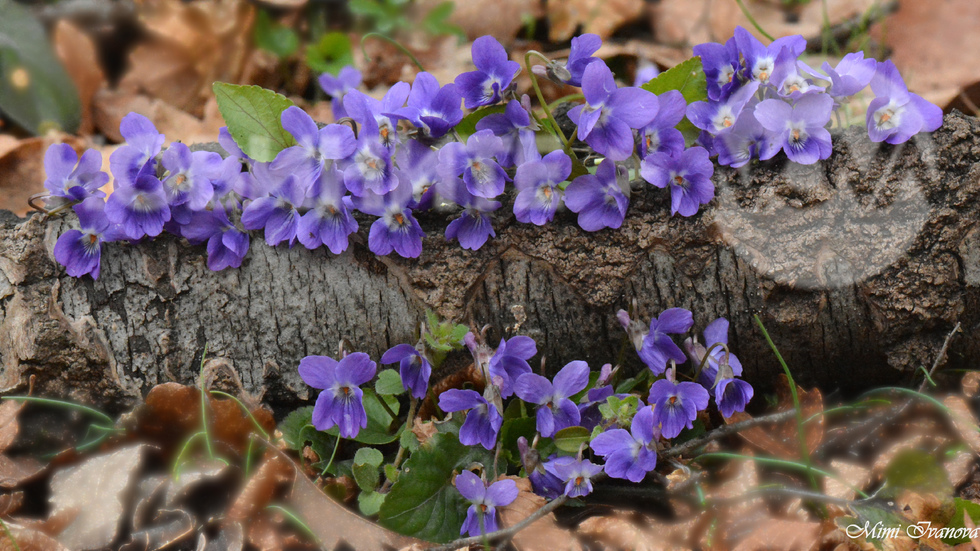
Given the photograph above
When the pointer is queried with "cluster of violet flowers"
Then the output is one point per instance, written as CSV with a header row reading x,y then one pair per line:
x,y
622,445
401,155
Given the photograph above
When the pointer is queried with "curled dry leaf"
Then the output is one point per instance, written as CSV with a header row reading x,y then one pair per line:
x,y
80,58
170,527
261,487
110,106
423,430
964,422
782,440
9,503
601,17
29,539
16,471
542,535
9,427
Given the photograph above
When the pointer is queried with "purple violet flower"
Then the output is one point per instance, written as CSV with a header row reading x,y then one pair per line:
x,y
493,75
337,87
143,143
373,114
189,181
580,56
719,117
80,251
419,164
576,473
555,410
760,60
139,208
513,126
799,129
895,115
852,74
227,142
329,222
278,213
482,420
661,135
689,177
370,169
543,482
395,229
647,72
658,347
606,119
413,367
599,199
537,184
747,140
732,395
315,147
509,362
481,174
227,245
721,64
340,402
481,517
70,178
716,332
630,455
432,109
474,226
676,405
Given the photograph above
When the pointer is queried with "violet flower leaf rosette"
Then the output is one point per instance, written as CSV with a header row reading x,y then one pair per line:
x,y
895,115
658,347
628,454
555,409
340,402
494,73
482,419
481,516
676,405
607,119
413,368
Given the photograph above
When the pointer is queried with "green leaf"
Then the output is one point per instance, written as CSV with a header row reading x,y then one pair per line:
x,y
389,383
330,54
963,506
253,115
593,377
918,471
366,463
391,472
622,410
35,91
687,78
368,456
292,426
370,503
379,421
273,37
423,502
510,431
409,441
571,438
467,126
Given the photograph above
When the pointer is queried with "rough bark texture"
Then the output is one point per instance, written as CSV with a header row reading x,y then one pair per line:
x,y
859,267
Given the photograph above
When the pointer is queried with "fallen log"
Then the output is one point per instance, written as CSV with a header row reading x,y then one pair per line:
x,y
859,266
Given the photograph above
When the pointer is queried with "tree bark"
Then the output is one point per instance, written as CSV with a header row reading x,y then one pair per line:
x,y
858,266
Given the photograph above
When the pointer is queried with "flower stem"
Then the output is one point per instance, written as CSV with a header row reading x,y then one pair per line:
x,y
333,454
391,41
544,105
748,15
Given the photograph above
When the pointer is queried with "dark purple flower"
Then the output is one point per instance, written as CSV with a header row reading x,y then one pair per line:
x,y
430,108
513,126
189,181
227,245
676,405
336,87
719,117
543,482
715,333
731,395
370,169
80,251
278,214
481,517
689,177
340,403
747,140
658,347
413,367
509,362
661,135
576,473
481,174
474,225
143,143
760,60
315,147
555,410
606,119
599,199
800,130
482,421
419,164
373,114
630,455
721,64
139,208
537,184
329,222
852,74
895,115
580,56
396,229
71,178
493,75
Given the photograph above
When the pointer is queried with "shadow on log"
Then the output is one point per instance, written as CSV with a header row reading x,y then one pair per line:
x,y
859,266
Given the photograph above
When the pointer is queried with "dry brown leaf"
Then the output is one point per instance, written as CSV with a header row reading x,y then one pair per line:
x,y
782,535
96,490
960,466
80,58
22,168
964,422
231,537
29,539
111,106
170,527
9,427
509,17
601,17
969,524
542,535
9,503
260,488
14,471
424,430
782,440
971,384
626,530
856,476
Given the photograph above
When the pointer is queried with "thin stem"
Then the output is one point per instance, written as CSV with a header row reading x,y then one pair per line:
x,y
183,451
62,404
400,456
781,463
387,408
725,430
391,41
9,535
544,105
939,358
748,15
865,405
333,454
563,99
295,518
244,408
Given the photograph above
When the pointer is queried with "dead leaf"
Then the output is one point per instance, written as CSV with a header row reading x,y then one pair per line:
x,y
509,17
971,384
231,537
969,524
261,487
14,471
96,490
629,530
964,422
110,106
784,535
170,527
544,533
80,58
424,430
960,466
782,440
9,427
29,539
22,169
9,503
601,17
856,476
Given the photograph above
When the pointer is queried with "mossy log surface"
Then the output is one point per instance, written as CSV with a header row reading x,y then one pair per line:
x,y
859,266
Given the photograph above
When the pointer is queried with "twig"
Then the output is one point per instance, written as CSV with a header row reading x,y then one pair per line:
x,y
940,357
505,533
720,432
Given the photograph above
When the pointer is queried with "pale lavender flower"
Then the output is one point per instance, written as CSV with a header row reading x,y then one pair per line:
x,y
599,199
340,402
537,184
